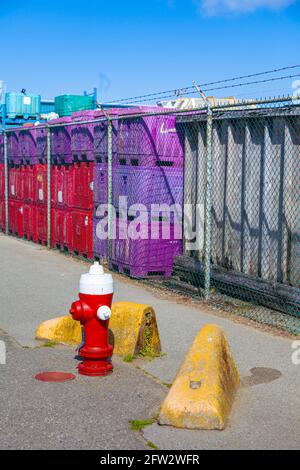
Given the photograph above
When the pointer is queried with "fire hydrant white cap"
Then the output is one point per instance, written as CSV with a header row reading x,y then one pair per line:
x,y
96,282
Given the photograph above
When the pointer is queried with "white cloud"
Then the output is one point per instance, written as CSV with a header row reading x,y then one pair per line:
x,y
216,7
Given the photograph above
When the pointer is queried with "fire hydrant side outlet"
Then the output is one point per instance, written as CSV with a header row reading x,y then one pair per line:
x,y
93,310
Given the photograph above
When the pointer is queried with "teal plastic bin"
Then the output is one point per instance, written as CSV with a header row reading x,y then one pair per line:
x,y
65,105
20,105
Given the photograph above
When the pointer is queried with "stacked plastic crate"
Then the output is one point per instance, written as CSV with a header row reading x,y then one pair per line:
x,y
101,176
2,185
61,183
15,185
27,186
72,176
82,183
148,170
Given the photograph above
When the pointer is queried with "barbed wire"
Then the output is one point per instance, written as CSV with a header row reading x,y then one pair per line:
x,y
228,87
191,89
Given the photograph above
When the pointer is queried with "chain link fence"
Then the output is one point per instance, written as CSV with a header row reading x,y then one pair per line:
x,y
252,188
204,202
224,183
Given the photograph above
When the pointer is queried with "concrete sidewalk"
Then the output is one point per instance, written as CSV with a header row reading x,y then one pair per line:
x,y
37,284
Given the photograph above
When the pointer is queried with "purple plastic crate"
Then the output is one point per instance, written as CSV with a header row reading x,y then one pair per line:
x,y
82,137
41,146
101,133
100,141
27,147
148,186
146,258
13,147
99,246
61,140
100,184
150,141
1,148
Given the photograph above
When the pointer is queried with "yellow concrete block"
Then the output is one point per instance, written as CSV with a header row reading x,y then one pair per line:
x,y
133,330
204,389
60,330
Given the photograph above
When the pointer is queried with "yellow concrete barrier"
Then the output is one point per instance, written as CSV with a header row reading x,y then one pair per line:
x,y
204,389
133,330
60,330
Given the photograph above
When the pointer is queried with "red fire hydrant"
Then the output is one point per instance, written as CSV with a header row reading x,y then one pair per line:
x,y
93,310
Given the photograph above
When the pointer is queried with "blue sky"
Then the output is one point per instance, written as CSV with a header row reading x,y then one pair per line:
x,y
127,48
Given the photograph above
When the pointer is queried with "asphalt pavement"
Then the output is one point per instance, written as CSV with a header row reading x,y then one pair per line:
x,y
38,284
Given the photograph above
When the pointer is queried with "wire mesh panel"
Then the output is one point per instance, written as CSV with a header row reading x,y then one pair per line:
x,y
207,197
255,202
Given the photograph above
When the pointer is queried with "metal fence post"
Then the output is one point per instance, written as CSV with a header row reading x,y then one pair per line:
x,y
6,184
208,202
49,187
109,186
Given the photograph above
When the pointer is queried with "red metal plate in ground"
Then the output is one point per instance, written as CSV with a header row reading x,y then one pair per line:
x,y
55,376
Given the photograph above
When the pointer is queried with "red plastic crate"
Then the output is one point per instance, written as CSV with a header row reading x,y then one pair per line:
x,y
61,186
40,184
1,148
2,181
61,232
28,183
40,224
2,216
81,193
82,233
29,221
16,222
16,183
